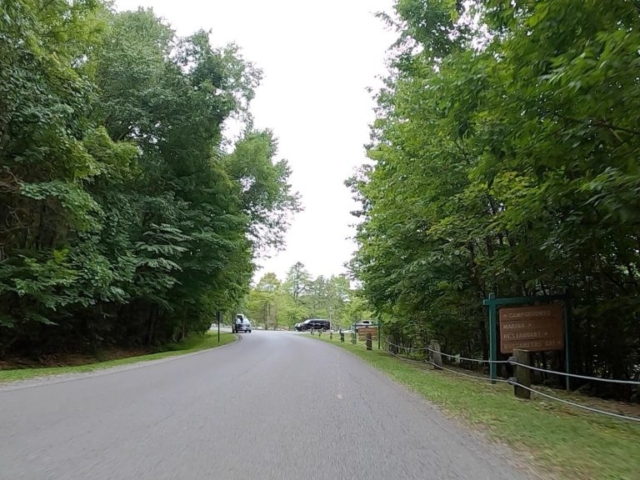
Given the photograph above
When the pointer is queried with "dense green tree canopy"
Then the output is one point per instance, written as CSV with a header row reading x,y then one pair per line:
x,y
505,159
124,217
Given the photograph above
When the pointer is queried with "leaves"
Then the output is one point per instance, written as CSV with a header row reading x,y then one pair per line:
x,y
274,303
505,161
123,219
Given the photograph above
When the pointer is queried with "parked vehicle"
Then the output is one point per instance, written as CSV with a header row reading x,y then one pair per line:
x,y
245,326
242,324
313,324
364,323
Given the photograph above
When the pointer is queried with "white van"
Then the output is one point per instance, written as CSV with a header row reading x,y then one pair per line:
x,y
241,324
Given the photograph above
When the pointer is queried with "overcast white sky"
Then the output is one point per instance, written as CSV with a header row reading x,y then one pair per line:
x,y
318,58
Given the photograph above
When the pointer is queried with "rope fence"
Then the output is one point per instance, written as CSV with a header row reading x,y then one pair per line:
x,y
573,404
427,349
515,383
519,366
468,375
583,377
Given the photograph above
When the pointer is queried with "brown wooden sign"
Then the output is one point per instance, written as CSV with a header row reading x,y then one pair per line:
x,y
536,329
362,332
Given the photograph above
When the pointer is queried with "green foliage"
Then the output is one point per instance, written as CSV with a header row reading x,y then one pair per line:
x,y
122,219
505,160
266,195
274,304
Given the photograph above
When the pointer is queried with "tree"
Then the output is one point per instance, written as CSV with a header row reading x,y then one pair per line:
x,y
264,300
275,303
298,281
266,194
503,161
124,221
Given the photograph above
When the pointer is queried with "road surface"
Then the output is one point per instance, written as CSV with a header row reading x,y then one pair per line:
x,y
274,405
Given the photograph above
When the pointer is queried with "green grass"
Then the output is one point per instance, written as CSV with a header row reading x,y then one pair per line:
x,y
193,344
562,441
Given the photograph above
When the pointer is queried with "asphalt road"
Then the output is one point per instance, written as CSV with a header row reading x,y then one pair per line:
x,y
272,406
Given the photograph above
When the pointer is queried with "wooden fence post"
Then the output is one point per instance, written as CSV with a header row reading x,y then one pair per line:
x,y
523,374
391,344
437,358
369,338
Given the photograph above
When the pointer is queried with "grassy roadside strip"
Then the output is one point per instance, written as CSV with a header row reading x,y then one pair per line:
x,y
192,345
565,442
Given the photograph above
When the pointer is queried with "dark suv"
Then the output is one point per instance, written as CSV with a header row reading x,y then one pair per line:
x,y
313,324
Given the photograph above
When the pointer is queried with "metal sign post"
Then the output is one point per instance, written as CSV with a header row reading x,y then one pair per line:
x,y
219,315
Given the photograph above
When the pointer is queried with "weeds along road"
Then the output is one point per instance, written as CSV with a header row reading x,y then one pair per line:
x,y
275,405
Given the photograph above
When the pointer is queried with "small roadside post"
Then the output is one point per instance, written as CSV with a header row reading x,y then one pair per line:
x,y
523,374
436,355
219,318
369,339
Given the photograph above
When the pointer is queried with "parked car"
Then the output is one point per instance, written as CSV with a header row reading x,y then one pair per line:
x,y
313,324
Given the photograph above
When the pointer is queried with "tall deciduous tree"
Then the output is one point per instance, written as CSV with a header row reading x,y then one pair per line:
x,y
298,281
123,220
505,160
